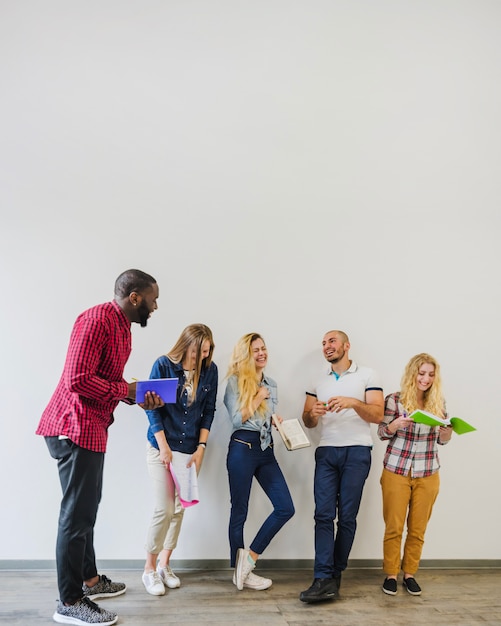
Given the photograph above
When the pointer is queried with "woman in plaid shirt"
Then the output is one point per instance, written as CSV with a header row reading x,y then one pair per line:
x,y
410,479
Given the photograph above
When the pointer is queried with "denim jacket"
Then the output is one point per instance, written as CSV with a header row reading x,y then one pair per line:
x,y
256,422
180,421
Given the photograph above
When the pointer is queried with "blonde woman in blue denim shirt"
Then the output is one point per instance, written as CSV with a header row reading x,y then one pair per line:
x,y
183,427
251,399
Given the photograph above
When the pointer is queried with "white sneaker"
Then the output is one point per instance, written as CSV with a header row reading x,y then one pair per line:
x,y
258,583
168,577
243,567
153,583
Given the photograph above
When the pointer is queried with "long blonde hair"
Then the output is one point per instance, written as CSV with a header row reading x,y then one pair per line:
x,y
243,366
433,398
192,336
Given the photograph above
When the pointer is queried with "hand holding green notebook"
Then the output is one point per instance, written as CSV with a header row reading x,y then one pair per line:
x,y
458,425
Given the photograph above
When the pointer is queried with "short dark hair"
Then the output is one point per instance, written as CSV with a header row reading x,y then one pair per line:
x,y
132,280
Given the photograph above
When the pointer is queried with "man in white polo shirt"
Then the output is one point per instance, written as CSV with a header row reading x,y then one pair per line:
x,y
345,400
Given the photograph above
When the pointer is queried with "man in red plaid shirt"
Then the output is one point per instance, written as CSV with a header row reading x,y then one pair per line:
x,y
75,426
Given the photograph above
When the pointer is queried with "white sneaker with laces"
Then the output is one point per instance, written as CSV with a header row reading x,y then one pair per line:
x,y
168,577
243,567
153,583
253,581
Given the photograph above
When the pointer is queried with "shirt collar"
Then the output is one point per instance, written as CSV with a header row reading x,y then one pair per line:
x,y
121,313
178,367
353,368
265,379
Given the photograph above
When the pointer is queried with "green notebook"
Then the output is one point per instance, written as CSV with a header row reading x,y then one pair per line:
x,y
458,425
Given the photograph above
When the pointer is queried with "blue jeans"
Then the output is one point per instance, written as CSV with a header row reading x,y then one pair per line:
x,y
245,461
81,477
340,475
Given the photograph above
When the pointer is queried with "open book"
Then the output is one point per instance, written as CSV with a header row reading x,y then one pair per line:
x,y
292,433
458,425
185,478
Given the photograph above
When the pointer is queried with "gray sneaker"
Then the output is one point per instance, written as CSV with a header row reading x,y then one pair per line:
x,y
83,612
104,588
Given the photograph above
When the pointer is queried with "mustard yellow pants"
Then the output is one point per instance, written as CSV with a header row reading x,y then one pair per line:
x,y
406,499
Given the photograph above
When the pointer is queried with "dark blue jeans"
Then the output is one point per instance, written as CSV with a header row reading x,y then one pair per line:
x,y
81,477
245,461
340,475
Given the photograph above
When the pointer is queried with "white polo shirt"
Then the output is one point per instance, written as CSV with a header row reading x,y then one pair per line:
x,y
345,428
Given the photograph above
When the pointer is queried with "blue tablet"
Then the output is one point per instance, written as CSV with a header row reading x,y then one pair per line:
x,y
166,388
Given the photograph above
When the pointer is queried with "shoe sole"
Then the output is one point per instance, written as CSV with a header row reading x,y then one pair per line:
x,y
63,619
155,593
96,596
327,596
173,585
413,593
257,588
388,592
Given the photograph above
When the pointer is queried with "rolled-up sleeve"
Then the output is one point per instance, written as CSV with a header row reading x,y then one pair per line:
x,y
390,413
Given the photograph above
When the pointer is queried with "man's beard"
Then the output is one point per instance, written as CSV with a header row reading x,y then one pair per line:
x,y
143,314
337,358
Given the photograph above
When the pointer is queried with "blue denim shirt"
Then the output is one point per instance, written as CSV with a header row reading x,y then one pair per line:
x,y
180,421
256,422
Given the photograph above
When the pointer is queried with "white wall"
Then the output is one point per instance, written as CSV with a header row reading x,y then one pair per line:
x,y
284,166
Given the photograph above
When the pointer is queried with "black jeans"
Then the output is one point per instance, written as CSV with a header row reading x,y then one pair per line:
x,y
81,477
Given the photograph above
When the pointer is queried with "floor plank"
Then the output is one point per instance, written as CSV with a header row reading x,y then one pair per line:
x,y
453,597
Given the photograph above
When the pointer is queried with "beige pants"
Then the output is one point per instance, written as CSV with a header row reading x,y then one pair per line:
x,y
411,498
168,514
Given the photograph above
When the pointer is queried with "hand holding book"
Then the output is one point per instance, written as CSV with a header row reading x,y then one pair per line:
x,y
458,425
291,432
184,474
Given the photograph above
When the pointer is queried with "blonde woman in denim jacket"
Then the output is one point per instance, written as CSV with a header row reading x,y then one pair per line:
x,y
251,399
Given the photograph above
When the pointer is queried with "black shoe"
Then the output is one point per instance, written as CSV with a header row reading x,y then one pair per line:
x,y
321,589
390,586
338,581
412,587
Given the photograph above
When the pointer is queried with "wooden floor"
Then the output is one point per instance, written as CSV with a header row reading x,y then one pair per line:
x,y
452,597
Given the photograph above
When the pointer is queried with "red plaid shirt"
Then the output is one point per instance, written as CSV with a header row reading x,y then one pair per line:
x,y
92,383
